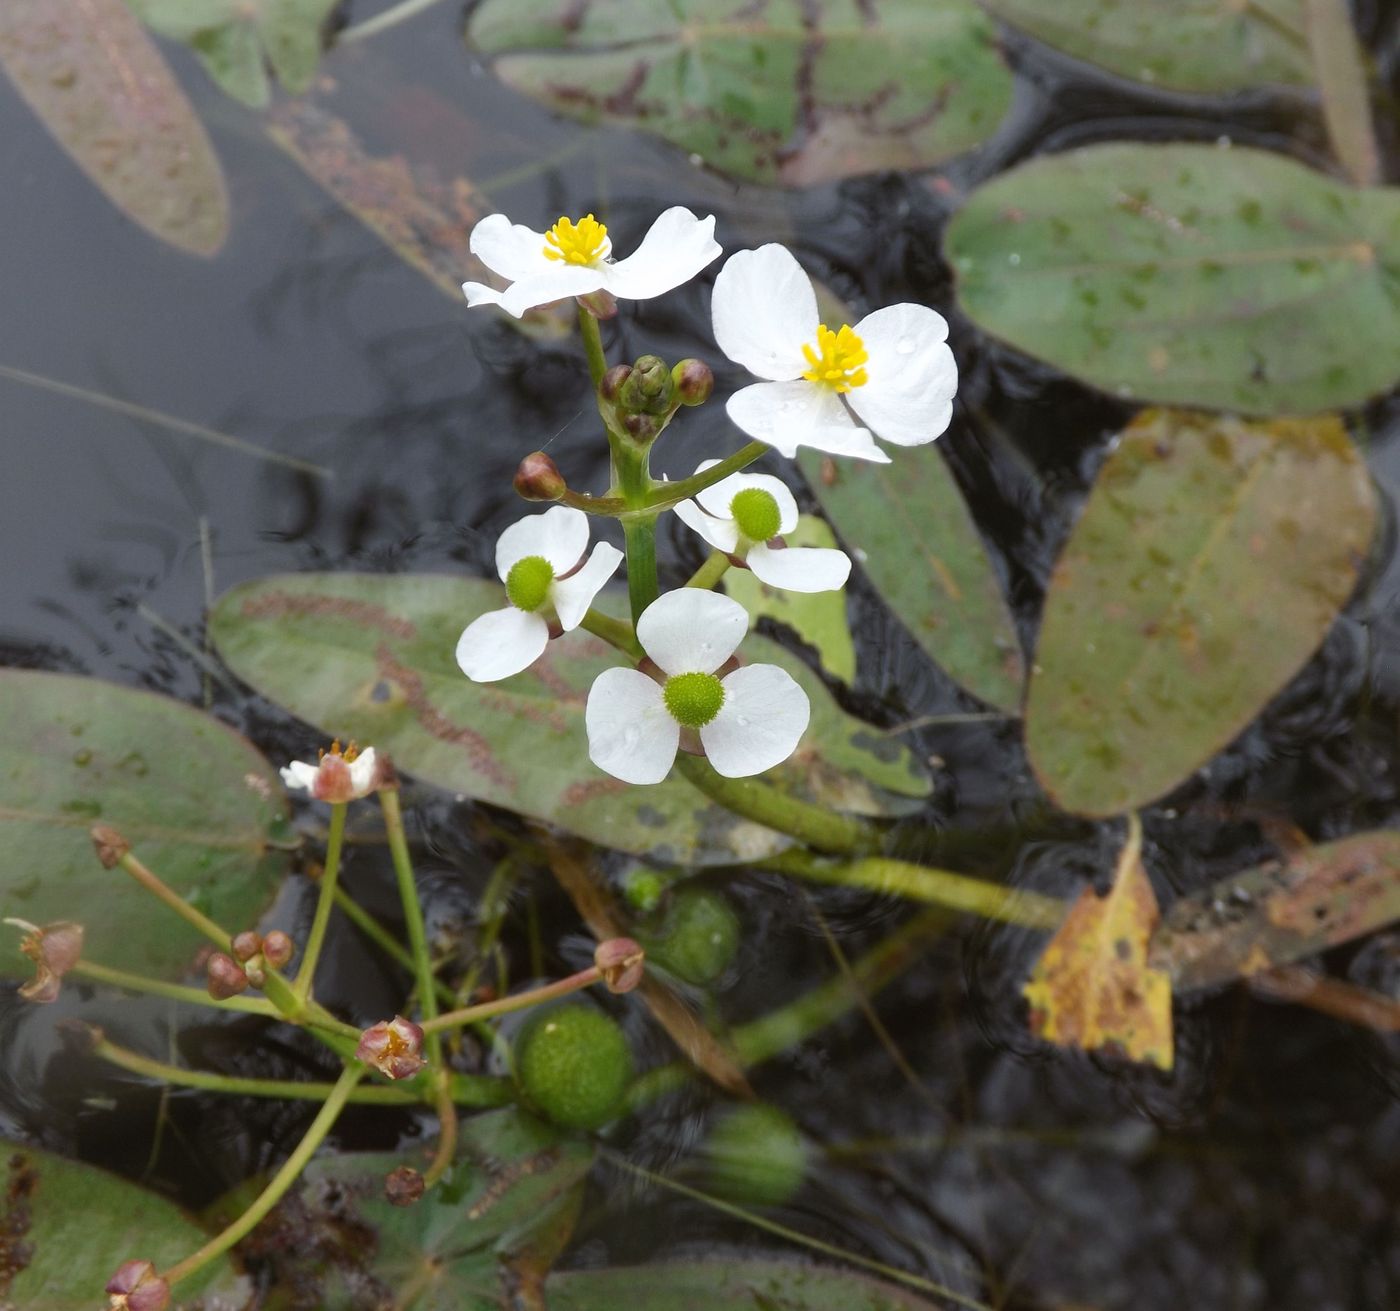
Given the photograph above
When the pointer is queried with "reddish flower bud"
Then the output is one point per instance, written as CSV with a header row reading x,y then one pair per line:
x,y
612,381
137,1287
620,961
225,977
111,847
278,949
247,945
600,304
403,1186
694,380
641,427
54,949
538,478
392,1047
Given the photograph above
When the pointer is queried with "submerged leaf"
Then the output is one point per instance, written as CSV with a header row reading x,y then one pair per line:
x,y
790,91
1188,275
101,88
1209,562
1093,986
1281,912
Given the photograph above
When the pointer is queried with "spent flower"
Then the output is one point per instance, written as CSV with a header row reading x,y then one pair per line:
x,y
338,776
54,949
392,1047
137,1286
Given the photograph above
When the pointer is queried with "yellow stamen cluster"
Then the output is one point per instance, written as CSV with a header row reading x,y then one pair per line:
x,y
581,243
838,359
349,755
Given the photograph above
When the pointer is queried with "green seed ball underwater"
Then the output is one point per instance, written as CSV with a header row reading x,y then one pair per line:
x,y
573,1065
756,1156
698,937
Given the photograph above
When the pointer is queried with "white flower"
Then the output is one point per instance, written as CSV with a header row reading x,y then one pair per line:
x,y
748,720
574,259
742,515
338,776
892,374
541,561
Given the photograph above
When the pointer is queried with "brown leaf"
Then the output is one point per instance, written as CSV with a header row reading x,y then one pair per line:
x,y
1093,986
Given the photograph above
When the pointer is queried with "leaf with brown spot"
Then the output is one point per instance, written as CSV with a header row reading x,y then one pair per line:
x,y
1093,987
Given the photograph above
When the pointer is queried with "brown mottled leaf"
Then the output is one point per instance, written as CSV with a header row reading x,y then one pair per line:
x,y
1281,912
1093,986
100,86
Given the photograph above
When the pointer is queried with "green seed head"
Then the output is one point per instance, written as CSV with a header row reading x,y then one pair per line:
x,y
756,1156
528,582
693,699
573,1064
698,937
756,513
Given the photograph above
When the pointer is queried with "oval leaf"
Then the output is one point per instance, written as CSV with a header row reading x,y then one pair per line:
x,y
1189,275
1209,562
371,656
1200,45
909,528
68,1226
1340,67
1281,912
194,799
100,86
790,91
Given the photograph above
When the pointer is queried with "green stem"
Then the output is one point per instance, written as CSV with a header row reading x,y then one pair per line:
x,y
281,1181
413,917
710,572
817,827
592,346
518,1002
664,495
940,887
174,991
329,876
405,9
384,940
340,1037
447,1134
616,632
153,884
639,539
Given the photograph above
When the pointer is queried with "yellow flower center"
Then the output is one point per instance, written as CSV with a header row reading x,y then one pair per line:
x,y
349,755
581,243
837,359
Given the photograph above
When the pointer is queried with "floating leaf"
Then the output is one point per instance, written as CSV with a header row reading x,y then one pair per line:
x,y
790,91
101,88
1341,80
908,527
1211,558
1189,275
816,617
194,799
1281,912
236,40
1196,45
371,656
68,1226
1093,987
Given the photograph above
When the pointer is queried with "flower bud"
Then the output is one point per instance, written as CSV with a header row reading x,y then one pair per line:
x,y
137,1287
111,847
641,427
392,1047
600,304
247,945
54,949
649,388
278,949
538,478
694,380
612,381
225,977
403,1186
620,960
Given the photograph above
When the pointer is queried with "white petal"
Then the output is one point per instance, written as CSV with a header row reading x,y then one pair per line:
x,y
691,630
912,375
299,775
676,247
718,498
573,595
501,643
787,415
722,534
509,249
764,311
630,732
362,772
560,535
800,568
558,282
760,723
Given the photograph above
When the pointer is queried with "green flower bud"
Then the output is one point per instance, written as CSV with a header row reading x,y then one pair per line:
x,y
698,936
527,584
694,380
757,514
649,388
756,1156
693,699
573,1065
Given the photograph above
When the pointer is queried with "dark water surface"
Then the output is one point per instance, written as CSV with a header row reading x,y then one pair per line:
x,y
1263,1174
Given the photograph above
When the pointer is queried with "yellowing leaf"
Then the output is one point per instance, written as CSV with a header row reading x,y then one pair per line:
x,y
1092,986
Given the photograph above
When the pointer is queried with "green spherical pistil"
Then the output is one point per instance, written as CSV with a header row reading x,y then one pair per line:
x,y
756,1155
528,582
757,514
573,1064
693,699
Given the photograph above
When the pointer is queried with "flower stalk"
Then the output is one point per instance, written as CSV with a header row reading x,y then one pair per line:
x,y
330,875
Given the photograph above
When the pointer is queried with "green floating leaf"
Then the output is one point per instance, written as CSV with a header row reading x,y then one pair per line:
x,y
1339,64
371,656
909,528
1190,45
103,91
1189,275
1211,558
193,798
816,617
68,1226
779,91
237,40
1281,912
